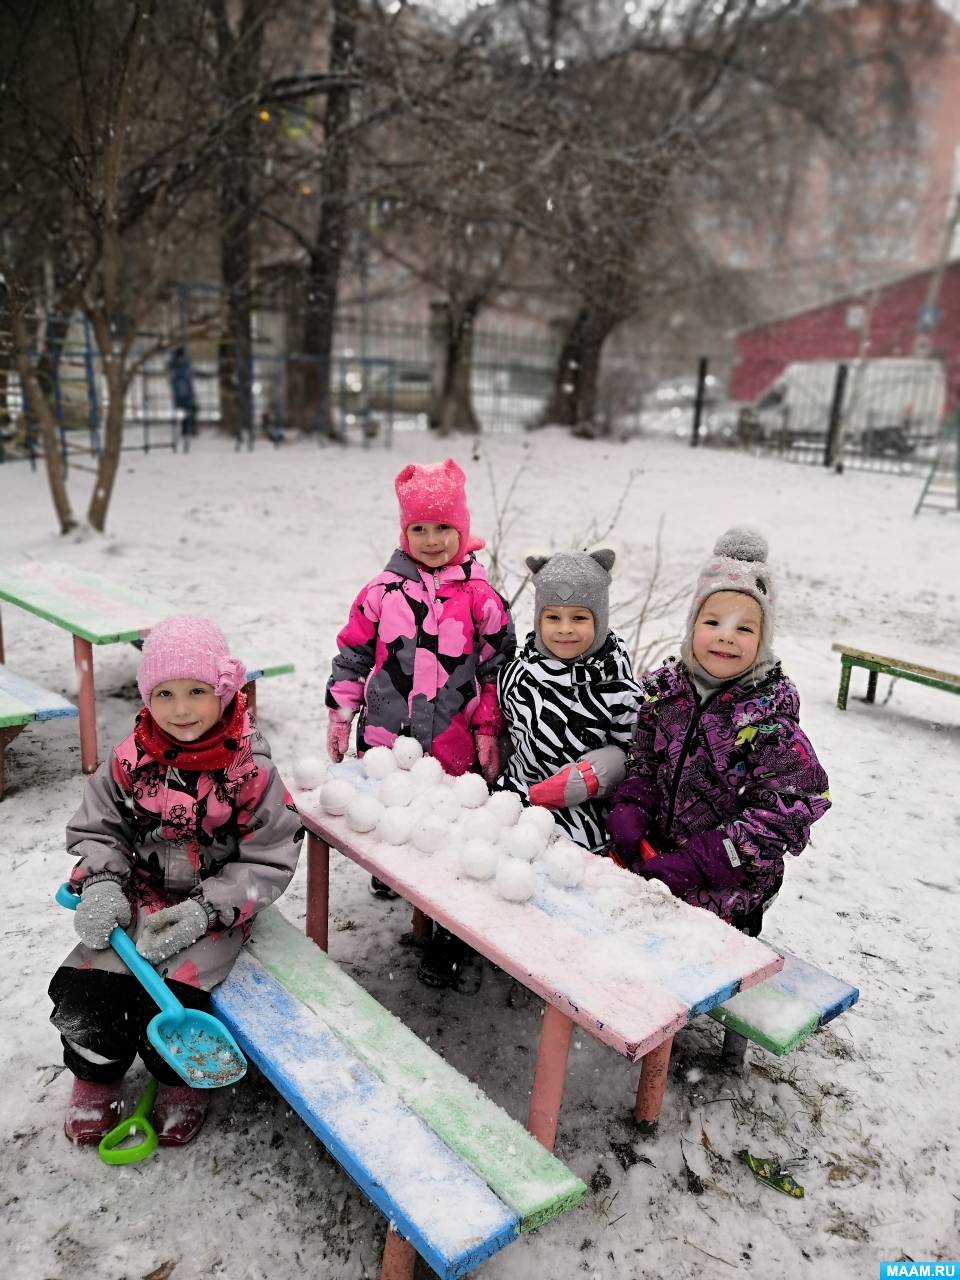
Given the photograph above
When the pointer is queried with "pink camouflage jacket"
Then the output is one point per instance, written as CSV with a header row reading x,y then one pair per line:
x,y
419,657
230,837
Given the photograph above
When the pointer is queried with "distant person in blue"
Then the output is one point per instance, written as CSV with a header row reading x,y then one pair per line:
x,y
181,389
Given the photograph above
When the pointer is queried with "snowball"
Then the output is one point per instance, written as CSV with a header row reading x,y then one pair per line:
x,y
378,762
309,772
479,824
478,859
470,789
565,863
335,797
541,820
440,799
522,842
395,826
396,789
363,813
516,880
406,752
656,888
505,806
426,772
430,835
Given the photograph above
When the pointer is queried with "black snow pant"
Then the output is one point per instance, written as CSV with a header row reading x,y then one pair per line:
x,y
107,1014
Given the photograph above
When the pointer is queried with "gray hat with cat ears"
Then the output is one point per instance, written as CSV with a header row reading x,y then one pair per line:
x,y
572,579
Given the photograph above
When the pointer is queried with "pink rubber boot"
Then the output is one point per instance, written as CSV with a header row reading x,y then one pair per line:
x,y
179,1113
92,1111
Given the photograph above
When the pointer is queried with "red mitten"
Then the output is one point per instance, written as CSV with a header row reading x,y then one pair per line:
x,y
338,738
488,756
572,785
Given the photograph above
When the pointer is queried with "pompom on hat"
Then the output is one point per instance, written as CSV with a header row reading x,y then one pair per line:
x,y
435,494
186,648
739,563
575,579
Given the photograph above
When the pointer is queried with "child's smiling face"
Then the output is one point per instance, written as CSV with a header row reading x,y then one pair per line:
x,y
186,709
432,544
726,634
567,631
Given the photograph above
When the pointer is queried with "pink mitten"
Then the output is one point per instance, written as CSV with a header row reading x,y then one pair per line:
x,y
488,755
338,738
572,785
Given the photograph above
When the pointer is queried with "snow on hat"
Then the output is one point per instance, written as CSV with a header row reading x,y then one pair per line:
x,y
739,563
573,579
185,648
435,494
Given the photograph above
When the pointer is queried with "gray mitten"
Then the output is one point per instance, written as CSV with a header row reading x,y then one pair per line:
x,y
169,930
102,906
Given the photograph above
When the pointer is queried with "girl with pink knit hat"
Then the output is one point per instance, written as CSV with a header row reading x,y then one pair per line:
x,y
183,835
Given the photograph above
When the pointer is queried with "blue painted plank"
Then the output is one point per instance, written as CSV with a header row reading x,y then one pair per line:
x,y
426,1192
828,995
23,700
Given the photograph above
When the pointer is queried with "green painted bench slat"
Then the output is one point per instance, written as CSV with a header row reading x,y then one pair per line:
x,y
22,701
781,1012
514,1165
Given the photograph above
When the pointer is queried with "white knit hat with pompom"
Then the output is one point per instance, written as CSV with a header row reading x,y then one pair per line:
x,y
739,563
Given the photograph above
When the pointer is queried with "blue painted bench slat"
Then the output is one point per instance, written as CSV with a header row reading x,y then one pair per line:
x,y
22,701
781,1012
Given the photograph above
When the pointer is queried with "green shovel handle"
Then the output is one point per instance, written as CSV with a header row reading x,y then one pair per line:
x,y
111,1152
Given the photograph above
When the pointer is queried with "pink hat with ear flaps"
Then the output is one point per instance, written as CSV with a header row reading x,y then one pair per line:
x,y
435,494
185,648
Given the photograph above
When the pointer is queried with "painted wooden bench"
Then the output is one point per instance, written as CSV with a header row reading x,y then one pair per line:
x,y
21,703
900,669
456,1178
780,1013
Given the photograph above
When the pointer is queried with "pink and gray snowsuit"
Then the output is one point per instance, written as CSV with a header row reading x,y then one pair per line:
x,y
419,657
230,836
736,763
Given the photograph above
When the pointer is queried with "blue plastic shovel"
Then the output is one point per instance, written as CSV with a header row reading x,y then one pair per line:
x,y
196,1044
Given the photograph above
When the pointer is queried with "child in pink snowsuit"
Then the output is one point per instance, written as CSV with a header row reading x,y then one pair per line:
x,y
184,834
425,639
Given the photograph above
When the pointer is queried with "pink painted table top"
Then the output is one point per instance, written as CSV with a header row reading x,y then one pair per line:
x,y
628,968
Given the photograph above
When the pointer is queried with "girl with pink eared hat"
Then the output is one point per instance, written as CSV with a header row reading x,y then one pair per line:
x,y
185,832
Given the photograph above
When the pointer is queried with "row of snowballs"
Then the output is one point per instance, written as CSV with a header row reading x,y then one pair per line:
x,y
416,803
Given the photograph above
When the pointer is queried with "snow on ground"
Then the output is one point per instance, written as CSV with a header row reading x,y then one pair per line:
x,y
865,1113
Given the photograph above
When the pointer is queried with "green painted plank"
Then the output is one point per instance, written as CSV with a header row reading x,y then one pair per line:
x,y
514,1165
768,1017
13,712
81,602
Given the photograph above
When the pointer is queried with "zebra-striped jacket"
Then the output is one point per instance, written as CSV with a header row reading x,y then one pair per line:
x,y
556,711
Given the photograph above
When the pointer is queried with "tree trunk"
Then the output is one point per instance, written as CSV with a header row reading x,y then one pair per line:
x,y
323,272
240,55
43,414
573,400
109,460
452,409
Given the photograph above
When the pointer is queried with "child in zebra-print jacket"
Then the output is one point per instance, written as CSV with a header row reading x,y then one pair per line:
x,y
569,699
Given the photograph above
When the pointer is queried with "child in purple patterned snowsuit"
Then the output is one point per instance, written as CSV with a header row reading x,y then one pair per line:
x,y
721,780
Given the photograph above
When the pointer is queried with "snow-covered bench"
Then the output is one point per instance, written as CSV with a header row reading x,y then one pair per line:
x,y
899,668
456,1178
21,703
781,1012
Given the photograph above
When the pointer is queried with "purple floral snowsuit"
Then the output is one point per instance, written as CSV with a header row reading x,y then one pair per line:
x,y
737,762
419,657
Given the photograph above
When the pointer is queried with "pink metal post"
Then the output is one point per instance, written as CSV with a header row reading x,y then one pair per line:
x,y
549,1076
653,1081
318,889
399,1257
83,660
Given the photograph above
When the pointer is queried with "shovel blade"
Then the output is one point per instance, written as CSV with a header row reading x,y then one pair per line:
x,y
198,1047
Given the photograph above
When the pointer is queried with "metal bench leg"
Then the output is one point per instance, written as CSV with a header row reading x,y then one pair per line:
x,y
734,1052
844,685
653,1082
549,1076
422,926
83,660
399,1257
872,686
318,889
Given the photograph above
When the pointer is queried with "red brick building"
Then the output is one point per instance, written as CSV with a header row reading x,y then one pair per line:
x,y
883,321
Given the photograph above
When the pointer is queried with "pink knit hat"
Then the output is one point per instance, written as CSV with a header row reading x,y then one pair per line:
x,y
185,648
435,494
